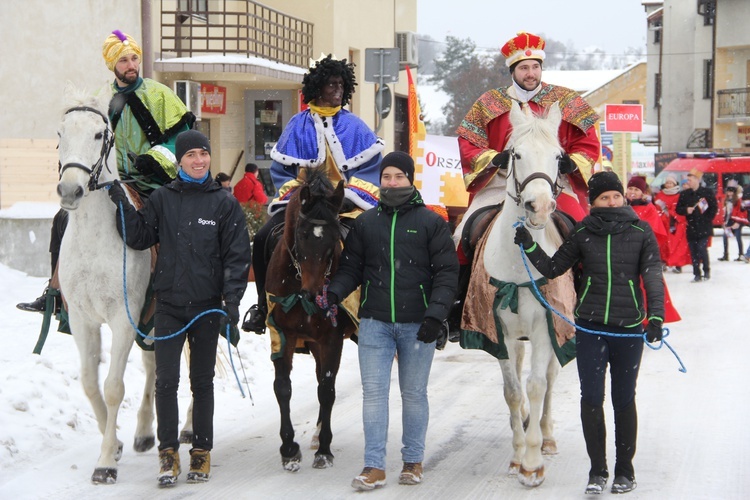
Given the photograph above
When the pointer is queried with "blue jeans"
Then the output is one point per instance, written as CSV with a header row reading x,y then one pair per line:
x,y
378,343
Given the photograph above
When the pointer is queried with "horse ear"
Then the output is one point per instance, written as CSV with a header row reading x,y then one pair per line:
x,y
304,194
554,115
103,96
516,113
338,194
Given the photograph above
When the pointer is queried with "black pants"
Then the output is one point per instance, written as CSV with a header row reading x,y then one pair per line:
x,y
203,337
623,355
260,262
59,224
699,253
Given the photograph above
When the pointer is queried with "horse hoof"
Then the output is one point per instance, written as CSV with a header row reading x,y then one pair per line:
x,y
141,444
549,447
104,475
292,464
186,437
513,468
322,461
118,453
531,478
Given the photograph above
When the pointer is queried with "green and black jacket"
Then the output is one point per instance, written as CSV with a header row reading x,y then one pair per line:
x,y
405,260
618,251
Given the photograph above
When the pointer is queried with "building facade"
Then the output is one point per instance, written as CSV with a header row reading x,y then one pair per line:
x,y
698,54
237,63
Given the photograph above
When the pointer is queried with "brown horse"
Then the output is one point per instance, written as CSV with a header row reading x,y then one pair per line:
x,y
307,254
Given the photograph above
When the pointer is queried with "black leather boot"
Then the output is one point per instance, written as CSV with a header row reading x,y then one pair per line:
x,y
595,435
626,432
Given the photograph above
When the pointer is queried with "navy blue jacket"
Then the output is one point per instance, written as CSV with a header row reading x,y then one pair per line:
x,y
204,247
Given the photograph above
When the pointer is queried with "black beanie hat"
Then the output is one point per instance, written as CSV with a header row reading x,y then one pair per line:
x,y
190,139
401,161
602,182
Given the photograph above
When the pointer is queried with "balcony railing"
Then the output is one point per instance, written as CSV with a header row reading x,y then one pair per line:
x,y
235,27
734,103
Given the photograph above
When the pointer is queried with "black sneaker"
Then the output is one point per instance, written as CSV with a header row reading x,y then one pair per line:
x,y
622,484
38,305
255,320
706,276
596,485
697,279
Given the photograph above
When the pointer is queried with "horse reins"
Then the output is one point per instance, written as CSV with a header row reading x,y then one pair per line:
x,y
107,143
520,186
293,251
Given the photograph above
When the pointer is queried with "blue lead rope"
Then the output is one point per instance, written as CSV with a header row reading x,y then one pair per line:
x,y
546,304
186,327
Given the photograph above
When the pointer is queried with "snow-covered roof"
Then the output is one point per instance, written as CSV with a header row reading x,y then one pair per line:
x,y
581,81
234,63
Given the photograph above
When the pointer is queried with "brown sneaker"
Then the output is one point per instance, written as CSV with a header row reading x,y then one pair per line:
x,y
369,479
169,467
411,474
200,466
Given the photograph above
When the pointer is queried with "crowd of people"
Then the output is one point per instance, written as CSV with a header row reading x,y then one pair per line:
x,y
406,308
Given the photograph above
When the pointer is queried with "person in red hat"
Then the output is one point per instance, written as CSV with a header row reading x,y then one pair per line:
x,y
484,132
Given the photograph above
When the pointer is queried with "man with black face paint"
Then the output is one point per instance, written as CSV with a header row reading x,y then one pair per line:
x,y
484,132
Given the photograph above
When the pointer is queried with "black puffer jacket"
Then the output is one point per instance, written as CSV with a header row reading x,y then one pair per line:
x,y
404,259
204,251
617,250
699,224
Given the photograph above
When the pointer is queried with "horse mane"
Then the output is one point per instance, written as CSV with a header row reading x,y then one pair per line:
x,y
76,96
535,128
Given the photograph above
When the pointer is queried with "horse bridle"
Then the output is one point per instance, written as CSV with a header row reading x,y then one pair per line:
x,y
520,186
293,251
108,140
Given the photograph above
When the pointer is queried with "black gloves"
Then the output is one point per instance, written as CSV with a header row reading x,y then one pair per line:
x,y
233,313
430,330
232,318
523,237
653,331
117,194
566,165
501,160
147,166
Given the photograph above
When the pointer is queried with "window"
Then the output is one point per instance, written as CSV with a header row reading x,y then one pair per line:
x,y
194,8
656,28
708,73
707,9
657,90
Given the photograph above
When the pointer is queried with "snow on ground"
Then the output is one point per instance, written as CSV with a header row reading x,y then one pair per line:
x,y
692,434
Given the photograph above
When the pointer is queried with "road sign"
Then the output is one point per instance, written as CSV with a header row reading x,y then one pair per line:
x,y
623,117
381,65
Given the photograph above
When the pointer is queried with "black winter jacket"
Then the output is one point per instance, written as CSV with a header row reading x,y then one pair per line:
x,y
204,247
699,224
617,251
405,260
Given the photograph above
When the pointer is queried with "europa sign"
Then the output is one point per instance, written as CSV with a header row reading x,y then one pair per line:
x,y
623,118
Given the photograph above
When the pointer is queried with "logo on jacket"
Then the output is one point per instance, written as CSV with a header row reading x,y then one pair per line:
x,y
204,222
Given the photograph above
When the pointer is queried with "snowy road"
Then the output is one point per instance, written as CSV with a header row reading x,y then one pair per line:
x,y
692,437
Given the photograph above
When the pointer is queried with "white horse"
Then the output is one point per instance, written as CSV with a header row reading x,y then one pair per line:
x,y
90,273
532,172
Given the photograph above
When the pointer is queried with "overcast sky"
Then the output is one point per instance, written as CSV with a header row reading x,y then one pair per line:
x,y
612,25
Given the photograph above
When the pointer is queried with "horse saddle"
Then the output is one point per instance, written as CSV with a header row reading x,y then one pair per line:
x,y
480,220
476,226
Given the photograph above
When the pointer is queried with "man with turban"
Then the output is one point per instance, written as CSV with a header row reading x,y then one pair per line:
x,y
146,117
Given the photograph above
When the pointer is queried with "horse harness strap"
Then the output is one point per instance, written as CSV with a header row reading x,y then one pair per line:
x,y
107,142
520,186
